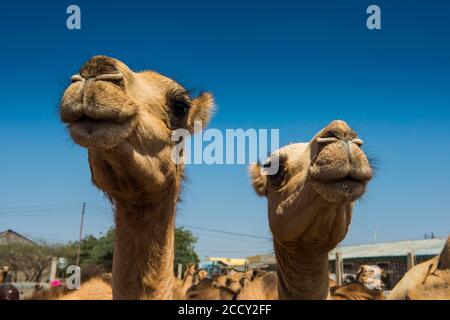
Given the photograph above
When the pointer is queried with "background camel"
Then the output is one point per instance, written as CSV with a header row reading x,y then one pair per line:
x,y
429,280
188,278
356,291
261,286
368,285
221,287
209,289
125,120
310,203
200,275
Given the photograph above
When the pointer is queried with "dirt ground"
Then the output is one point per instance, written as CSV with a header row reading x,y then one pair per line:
x,y
93,289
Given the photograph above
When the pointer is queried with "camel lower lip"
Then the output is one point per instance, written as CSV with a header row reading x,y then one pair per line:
x,y
345,189
89,132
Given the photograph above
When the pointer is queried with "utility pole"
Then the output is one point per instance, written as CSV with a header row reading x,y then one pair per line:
x,y
83,208
339,266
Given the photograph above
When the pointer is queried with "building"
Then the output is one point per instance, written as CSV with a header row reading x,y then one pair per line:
x,y
216,266
392,257
11,237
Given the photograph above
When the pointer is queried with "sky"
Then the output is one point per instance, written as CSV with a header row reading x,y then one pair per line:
x,y
288,65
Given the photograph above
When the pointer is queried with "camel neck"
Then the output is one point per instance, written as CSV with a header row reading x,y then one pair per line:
x,y
187,283
144,251
444,258
302,275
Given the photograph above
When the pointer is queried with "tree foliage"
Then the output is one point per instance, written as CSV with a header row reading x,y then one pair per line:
x,y
98,251
35,260
184,247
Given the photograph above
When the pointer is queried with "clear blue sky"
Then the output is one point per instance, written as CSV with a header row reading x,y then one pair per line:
x,y
291,65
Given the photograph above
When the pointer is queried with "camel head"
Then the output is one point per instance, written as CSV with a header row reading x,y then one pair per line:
x,y
310,196
125,119
191,269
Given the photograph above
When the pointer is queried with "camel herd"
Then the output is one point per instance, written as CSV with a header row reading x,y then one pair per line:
x,y
125,120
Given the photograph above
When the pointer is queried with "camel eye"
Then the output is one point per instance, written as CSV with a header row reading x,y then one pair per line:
x,y
179,107
278,179
330,134
178,102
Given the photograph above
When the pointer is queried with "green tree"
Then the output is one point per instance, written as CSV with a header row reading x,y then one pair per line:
x,y
99,251
33,260
184,247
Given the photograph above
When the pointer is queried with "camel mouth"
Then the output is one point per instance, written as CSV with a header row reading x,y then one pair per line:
x,y
104,132
347,189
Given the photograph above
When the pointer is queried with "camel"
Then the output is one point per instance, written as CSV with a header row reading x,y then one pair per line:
x,y
261,286
200,275
221,287
188,278
356,291
125,119
368,285
209,289
429,280
310,203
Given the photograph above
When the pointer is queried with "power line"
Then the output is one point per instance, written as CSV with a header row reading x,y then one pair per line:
x,y
215,236
36,215
98,207
199,228
229,232
41,205
95,210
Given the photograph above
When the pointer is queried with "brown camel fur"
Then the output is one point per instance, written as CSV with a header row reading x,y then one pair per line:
x,y
356,291
188,278
221,287
200,275
429,280
262,286
310,204
363,288
126,119
208,289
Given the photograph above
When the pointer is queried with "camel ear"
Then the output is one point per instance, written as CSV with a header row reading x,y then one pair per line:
x,y
259,181
201,111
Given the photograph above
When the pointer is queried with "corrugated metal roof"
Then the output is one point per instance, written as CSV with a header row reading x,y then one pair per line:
x,y
426,247
398,248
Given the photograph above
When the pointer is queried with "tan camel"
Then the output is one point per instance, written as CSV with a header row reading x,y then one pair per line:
x,y
200,275
429,280
310,204
220,287
261,286
368,285
356,291
209,289
188,279
125,119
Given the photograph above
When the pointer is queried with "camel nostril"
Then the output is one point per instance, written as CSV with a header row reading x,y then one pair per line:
x,y
76,77
357,141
